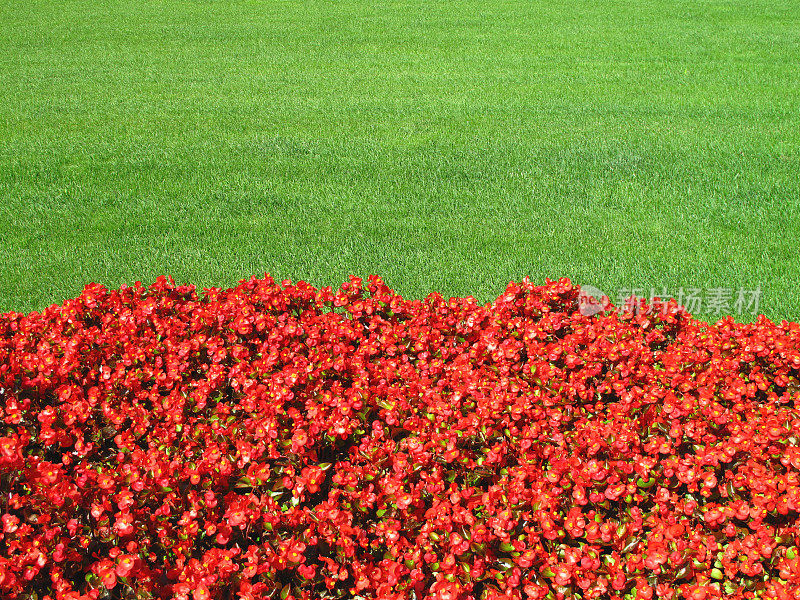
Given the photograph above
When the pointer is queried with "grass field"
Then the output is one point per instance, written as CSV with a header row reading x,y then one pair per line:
x,y
448,146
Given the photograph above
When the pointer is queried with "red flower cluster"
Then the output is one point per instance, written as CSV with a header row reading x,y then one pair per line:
x,y
280,441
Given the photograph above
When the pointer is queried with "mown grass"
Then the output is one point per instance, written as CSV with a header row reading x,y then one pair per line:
x,y
448,146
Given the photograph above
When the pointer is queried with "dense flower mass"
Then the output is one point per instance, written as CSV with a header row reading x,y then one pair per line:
x,y
281,441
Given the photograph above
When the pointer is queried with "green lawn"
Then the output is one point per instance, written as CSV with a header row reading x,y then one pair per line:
x,y
448,146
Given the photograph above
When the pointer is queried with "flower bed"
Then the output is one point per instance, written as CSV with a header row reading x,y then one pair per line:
x,y
279,441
